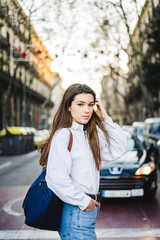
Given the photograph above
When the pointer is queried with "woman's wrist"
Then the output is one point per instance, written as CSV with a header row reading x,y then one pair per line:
x,y
106,117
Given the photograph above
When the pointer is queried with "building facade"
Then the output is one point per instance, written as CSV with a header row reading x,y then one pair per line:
x,y
143,97
113,97
25,76
56,96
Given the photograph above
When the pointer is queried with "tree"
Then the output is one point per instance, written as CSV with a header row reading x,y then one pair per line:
x,y
107,30
137,39
151,62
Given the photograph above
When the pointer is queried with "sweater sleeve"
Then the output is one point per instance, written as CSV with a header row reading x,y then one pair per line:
x,y
58,172
117,142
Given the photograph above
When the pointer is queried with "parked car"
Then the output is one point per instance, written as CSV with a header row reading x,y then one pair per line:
x,y
152,136
128,128
45,132
39,137
138,129
132,175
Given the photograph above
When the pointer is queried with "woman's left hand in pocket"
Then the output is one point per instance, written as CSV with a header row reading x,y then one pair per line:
x,y
92,205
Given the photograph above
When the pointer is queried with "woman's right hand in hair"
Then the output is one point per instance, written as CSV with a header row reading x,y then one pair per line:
x,y
92,205
101,112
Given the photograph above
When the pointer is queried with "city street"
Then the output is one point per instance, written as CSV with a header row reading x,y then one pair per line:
x,y
89,66
118,219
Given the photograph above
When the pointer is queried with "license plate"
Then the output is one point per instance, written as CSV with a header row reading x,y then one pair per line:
x,y
122,193
137,192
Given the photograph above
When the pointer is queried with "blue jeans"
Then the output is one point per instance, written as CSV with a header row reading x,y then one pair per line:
x,y
77,224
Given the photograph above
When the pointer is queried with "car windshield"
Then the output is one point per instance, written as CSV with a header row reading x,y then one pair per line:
x,y
155,128
140,131
38,135
133,144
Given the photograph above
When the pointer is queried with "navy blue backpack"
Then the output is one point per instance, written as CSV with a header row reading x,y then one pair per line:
x,y
42,208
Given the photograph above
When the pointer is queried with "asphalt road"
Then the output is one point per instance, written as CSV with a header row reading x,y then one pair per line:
x,y
134,219
19,170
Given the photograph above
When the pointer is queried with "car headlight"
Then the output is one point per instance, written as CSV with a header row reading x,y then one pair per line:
x,y
146,169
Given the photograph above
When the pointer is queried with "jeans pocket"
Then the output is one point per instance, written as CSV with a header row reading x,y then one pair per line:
x,y
89,218
65,228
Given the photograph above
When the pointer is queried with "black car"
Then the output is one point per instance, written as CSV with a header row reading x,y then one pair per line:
x,y
152,136
132,175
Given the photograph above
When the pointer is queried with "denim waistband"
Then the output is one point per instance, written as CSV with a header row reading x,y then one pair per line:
x,y
68,206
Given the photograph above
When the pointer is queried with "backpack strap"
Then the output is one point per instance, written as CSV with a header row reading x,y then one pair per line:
x,y
70,140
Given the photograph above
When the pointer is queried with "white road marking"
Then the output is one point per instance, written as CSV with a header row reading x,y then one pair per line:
x,y
28,234
8,205
7,164
128,232
101,233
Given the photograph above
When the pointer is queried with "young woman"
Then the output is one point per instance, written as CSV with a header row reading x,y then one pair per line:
x,y
74,176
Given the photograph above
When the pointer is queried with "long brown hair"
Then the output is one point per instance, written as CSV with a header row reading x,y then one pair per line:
x,y
63,119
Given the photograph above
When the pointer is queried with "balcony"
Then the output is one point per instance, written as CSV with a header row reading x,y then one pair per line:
x,y
10,22
19,85
30,67
3,11
4,43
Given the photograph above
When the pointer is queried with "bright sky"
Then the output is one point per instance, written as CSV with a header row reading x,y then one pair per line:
x,y
77,31
75,69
